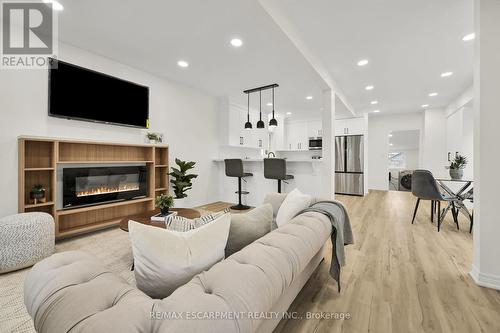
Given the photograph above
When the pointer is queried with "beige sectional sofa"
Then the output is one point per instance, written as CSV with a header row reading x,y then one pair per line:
x,y
73,292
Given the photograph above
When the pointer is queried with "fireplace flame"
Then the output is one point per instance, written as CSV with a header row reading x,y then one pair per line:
x,y
107,189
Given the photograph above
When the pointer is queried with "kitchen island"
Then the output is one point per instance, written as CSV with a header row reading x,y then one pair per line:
x,y
307,174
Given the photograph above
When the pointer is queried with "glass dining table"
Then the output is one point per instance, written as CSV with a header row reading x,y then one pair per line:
x,y
461,194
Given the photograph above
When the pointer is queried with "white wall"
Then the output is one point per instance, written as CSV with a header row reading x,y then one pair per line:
x,y
486,267
462,100
460,129
331,101
459,136
188,119
412,158
379,127
468,140
434,153
454,129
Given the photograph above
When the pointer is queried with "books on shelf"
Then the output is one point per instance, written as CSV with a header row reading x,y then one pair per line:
x,y
162,218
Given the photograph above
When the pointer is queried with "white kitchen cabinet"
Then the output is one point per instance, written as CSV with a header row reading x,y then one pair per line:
x,y
314,129
350,126
296,136
233,132
260,138
297,133
234,127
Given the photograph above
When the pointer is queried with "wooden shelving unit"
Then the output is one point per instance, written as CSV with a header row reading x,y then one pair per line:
x,y
161,171
38,164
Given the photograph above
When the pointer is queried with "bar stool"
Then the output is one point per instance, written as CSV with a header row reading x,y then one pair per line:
x,y
234,168
275,168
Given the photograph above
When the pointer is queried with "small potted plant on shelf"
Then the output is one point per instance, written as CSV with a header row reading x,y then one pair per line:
x,y
164,202
182,181
37,194
457,167
154,137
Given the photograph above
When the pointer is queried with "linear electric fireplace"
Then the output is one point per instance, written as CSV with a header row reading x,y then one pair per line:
x,y
96,185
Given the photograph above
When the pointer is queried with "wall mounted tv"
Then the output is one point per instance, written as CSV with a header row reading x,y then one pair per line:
x,y
83,94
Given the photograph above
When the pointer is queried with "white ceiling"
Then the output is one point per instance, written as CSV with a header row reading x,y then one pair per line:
x,y
408,43
154,35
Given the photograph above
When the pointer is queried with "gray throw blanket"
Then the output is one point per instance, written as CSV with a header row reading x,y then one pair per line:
x,y
341,232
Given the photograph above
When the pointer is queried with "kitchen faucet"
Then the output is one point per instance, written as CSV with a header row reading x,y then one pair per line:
x,y
269,154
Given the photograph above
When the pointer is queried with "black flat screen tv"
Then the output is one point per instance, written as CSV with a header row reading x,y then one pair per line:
x,y
83,94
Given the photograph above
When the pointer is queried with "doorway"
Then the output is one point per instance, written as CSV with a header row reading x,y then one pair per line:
x,y
403,158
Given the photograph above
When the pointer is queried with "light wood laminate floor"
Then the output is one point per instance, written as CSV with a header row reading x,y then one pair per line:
x,y
399,277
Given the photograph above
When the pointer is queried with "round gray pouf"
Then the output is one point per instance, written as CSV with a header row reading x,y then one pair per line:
x,y
25,239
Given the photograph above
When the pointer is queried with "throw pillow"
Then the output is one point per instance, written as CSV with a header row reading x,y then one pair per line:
x,y
182,224
294,202
164,259
248,227
275,199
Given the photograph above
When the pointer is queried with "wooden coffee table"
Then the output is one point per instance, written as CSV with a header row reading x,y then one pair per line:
x,y
145,218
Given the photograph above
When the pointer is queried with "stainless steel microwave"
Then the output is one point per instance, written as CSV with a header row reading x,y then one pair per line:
x,y
315,143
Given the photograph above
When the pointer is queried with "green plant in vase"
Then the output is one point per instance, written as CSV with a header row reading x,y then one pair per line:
x,y
154,137
164,202
182,181
457,165
37,193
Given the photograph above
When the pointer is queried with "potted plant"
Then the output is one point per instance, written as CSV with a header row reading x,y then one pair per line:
x,y
164,202
181,180
457,167
154,137
37,194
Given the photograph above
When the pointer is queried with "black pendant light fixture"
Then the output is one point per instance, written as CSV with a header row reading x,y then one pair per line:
x,y
260,123
273,122
248,124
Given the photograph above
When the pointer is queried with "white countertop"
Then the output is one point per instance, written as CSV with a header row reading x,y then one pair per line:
x,y
309,160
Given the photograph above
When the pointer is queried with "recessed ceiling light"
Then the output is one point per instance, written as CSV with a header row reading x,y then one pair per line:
x,y
363,62
469,37
374,102
236,42
390,135
433,94
425,105
446,74
390,144
182,63
369,87
288,113
376,111
55,5
269,104
309,97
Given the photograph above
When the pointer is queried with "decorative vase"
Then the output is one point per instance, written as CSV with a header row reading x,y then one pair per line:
x,y
456,173
164,211
180,202
37,197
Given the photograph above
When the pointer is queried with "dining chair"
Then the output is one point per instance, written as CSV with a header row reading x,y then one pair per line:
x,y
425,187
469,195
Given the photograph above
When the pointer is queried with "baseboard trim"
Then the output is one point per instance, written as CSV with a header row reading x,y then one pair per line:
x,y
485,280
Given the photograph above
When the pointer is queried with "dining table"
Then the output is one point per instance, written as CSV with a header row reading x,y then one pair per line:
x,y
461,194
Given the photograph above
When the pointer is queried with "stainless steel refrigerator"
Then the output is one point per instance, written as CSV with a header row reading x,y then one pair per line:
x,y
349,165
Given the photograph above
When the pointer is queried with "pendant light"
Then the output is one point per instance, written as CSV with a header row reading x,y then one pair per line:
x,y
260,123
273,122
248,124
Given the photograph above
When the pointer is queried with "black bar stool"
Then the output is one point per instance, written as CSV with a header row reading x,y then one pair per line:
x,y
234,168
275,168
